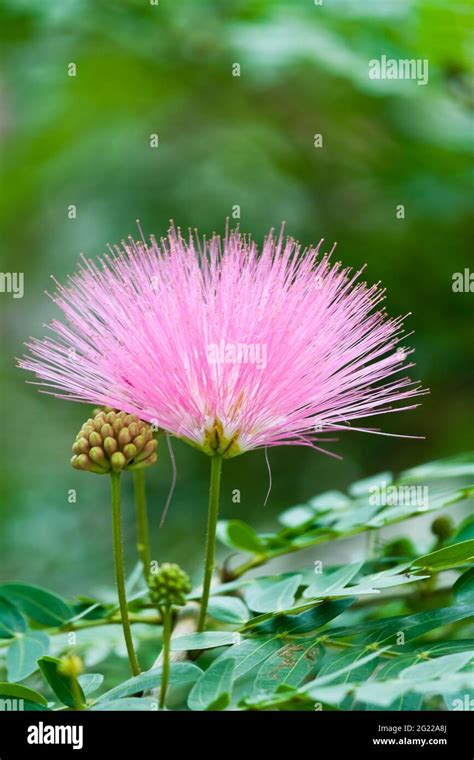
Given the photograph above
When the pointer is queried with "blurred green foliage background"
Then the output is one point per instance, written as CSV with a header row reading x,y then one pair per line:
x,y
224,141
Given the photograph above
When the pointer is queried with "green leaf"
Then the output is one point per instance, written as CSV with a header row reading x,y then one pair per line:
x,y
453,467
60,684
228,609
392,669
182,674
337,516
206,640
383,694
329,501
291,665
297,516
23,654
463,589
213,690
412,626
250,653
220,588
444,647
269,595
413,504
238,535
37,603
220,703
450,683
17,691
333,579
352,591
90,682
143,704
345,663
437,667
305,622
386,693
465,531
389,580
450,556
333,677
365,486
11,620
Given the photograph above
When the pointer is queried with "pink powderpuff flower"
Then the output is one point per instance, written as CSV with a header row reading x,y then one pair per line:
x,y
226,347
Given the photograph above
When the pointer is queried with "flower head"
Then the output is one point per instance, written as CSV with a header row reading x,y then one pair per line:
x,y
169,585
113,441
71,665
224,346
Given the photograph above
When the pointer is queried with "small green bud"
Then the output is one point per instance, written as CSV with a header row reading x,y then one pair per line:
x,y
169,585
113,441
95,439
124,436
118,461
71,665
130,451
443,527
399,547
110,445
97,455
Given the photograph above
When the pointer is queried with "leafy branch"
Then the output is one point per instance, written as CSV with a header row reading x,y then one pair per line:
x,y
368,634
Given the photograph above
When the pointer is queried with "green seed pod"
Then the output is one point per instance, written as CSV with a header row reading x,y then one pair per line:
x,y
113,441
169,585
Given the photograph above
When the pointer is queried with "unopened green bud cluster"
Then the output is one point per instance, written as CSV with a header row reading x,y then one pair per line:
x,y
169,585
113,441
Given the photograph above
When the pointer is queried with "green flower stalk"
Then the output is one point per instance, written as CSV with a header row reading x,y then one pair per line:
x,y
211,532
143,532
168,588
108,443
131,440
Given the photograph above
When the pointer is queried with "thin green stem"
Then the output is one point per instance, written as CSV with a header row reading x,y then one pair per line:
x,y
371,544
165,675
76,694
143,533
119,571
213,511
